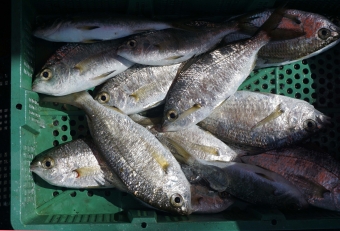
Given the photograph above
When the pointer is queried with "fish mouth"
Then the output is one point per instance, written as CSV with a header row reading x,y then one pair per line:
x,y
32,168
323,121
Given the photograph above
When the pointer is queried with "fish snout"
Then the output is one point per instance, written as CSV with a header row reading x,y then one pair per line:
x,y
324,121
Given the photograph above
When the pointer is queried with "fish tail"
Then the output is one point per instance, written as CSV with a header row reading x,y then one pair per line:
x,y
74,99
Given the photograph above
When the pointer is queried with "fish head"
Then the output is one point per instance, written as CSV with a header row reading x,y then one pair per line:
x,y
306,120
175,119
54,80
180,203
140,48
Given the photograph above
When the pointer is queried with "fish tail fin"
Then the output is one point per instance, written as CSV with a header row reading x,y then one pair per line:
x,y
74,99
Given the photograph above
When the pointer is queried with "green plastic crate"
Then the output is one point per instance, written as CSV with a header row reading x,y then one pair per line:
x,y
35,128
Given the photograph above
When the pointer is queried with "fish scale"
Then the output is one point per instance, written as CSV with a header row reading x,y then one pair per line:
x,y
209,80
146,167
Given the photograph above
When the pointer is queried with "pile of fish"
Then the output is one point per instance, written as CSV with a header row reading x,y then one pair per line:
x,y
213,145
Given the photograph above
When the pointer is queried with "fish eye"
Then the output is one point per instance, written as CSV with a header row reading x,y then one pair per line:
x,y
172,115
324,33
46,74
132,43
309,125
103,97
47,163
176,200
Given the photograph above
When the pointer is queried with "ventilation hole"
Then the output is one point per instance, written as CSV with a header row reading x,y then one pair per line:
x,y
64,127
288,71
312,66
330,95
297,76
322,81
81,128
73,133
64,107
144,225
55,143
55,193
81,190
313,76
329,86
281,76
55,133
256,89
264,86
256,82
55,104
107,193
329,66
322,100
306,99
72,122
296,66
80,136
80,118
90,193
18,106
272,91
305,71
328,56
320,61
322,90
289,81
280,67
324,139
297,86
289,91
64,138
306,90
321,71
304,62
272,81
274,222
305,80
264,77
73,194
298,95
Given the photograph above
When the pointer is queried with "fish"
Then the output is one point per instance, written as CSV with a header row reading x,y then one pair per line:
x,y
205,81
83,28
274,121
137,89
317,34
314,173
204,200
78,67
75,164
199,143
247,182
146,167
172,46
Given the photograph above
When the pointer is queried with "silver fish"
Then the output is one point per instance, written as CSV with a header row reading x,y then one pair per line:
x,y
173,46
76,164
317,34
315,173
204,82
93,28
145,166
137,89
78,67
272,122
247,182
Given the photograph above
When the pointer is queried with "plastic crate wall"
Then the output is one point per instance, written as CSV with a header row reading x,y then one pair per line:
x,y
37,127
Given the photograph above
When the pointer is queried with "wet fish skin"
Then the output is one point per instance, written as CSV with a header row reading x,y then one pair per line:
x,y
206,81
237,121
76,164
198,143
315,173
171,46
284,48
78,67
137,89
145,166
92,28
204,200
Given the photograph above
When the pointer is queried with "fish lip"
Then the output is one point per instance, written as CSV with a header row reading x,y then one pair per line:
x,y
32,168
324,121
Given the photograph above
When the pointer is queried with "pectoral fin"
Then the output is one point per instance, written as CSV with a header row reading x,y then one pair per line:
x,y
275,114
